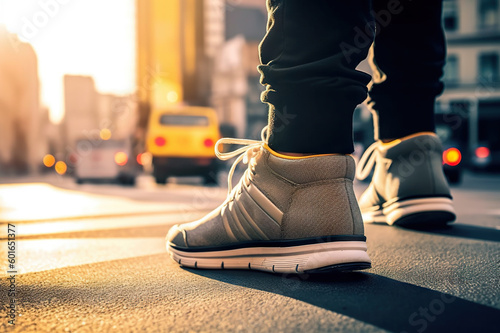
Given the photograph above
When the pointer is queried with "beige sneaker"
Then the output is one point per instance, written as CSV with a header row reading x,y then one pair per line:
x,y
286,215
408,187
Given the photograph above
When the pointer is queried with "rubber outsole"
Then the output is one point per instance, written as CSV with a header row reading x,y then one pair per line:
x,y
426,220
342,256
340,268
414,213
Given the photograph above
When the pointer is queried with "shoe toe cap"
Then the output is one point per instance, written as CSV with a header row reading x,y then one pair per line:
x,y
177,236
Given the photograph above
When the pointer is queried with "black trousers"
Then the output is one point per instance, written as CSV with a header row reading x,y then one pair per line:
x,y
309,58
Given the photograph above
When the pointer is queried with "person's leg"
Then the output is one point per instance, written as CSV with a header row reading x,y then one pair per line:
x,y
309,56
408,187
295,214
409,55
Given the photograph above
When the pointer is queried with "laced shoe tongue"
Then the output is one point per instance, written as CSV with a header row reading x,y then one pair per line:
x,y
250,150
367,161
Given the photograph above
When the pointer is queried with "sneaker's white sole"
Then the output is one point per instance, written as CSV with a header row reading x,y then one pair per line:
x,y
311,258
414,212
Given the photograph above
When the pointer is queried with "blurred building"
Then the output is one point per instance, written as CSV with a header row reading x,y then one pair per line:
x,y
235,87
230,85
50,135
172,65
472,72
21,145
81,119
473,35
182,46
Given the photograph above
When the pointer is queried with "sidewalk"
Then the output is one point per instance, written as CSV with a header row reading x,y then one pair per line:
x,y
420,282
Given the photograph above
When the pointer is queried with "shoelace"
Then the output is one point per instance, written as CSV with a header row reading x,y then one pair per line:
x,y
367,161
246,153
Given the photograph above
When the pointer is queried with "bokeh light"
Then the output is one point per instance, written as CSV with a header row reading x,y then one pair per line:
x,y
49,160
482,152
121,158
452,156
144,158
105,134
61,167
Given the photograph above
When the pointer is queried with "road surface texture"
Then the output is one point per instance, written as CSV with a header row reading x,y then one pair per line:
x,y
91,258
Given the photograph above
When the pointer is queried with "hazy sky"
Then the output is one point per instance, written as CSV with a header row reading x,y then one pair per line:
x,y
85,37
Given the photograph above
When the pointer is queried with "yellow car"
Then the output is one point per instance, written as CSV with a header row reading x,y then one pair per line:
x,y
181,141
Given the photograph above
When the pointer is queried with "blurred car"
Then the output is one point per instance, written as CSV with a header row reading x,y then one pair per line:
x,y
452,155
107,160
181,141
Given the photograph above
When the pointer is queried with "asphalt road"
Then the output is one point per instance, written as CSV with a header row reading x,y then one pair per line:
x,y
92,258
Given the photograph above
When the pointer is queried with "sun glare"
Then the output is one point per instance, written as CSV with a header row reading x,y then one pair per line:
x,y
81,37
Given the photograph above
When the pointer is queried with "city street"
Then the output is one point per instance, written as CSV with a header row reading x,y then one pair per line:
x,y
92,258
146,92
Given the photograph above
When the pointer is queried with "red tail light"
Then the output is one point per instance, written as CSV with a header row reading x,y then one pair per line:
x,y
144,159
482,152
139,159
452,156
160,141
208,143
